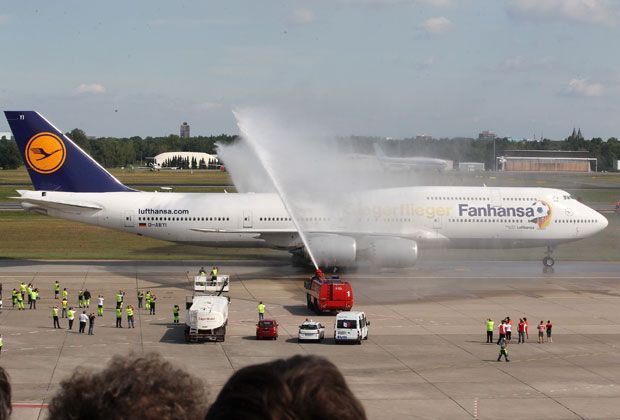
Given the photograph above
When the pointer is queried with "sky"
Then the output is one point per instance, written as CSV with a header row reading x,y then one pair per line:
x,y
394,68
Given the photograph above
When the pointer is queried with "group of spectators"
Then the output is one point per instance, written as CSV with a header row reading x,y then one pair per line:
x,y
523,330
149,387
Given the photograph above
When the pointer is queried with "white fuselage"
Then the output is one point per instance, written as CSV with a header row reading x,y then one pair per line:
x,y
470,217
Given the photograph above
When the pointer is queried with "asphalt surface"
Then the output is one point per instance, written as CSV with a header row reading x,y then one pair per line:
x,y
426,356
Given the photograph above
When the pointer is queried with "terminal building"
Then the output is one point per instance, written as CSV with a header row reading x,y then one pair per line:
x,y
546,161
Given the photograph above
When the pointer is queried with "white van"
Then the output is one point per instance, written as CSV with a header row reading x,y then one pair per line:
x,y
351,326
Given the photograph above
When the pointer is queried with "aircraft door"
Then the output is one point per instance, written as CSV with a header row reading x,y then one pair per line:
x,y
247,219
496,197
129,219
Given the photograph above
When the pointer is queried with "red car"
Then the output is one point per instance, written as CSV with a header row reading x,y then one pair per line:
x,y
267,329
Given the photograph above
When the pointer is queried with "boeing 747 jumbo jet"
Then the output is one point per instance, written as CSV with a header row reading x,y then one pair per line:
x,y
385,226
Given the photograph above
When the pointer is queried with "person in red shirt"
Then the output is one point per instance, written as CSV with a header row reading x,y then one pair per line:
x,y
502,331
521,331
548,326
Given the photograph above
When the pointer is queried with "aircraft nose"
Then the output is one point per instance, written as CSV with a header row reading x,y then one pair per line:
x,y
603,222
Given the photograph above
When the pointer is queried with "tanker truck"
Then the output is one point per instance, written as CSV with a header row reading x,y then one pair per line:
x,y
207,316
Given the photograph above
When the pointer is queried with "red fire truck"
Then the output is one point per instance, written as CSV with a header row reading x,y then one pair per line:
x,y
328,294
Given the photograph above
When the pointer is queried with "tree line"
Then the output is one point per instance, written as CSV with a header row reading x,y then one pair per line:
x,y
116,152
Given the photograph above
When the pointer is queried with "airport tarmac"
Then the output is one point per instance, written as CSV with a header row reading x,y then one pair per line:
x,y
426,356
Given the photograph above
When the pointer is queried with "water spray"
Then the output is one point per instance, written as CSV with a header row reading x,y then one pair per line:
x,y
271,174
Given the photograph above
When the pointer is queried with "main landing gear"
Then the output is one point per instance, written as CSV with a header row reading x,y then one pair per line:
x,y
548,261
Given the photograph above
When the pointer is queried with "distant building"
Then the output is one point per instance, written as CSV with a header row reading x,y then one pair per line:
x,y
423,137
487,135
546,161
184,130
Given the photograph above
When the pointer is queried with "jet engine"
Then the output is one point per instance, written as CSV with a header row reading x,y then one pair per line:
x,y
393,252
333,250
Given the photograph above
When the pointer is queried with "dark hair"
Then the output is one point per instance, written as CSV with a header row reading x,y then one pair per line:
x,y
302,387
130,387
5,395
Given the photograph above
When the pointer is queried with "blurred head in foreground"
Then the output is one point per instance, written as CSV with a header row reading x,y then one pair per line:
x,y
5,395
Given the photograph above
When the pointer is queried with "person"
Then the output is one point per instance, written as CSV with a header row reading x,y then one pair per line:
x,y
202,272
136,386
214,272
71,317
175,314
1,343
100,300
65,294
129,311
91,323
20,302
56,289
119,299
5,395
502,330
34,295
140,297
508,328
64,304
521,331
490,328
55,317
22,290
541,332
503,349
148,300
152,305
302,387
261,310
80,298
87,297
548,328
14,297
119,317
527,328
83,321
28,293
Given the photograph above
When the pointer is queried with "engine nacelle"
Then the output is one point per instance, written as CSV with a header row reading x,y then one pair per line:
x,y
333,250
393,252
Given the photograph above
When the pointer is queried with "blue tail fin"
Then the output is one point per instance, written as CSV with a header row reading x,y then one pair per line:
x,y
54,162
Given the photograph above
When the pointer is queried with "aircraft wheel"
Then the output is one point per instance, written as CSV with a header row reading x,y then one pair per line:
x,y
548,262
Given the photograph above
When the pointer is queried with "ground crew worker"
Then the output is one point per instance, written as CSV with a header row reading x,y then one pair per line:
x,y
80,298
34,295
261,311
20,302
56,289
490,327
65,294
14,297
71,317
148,300
87,298
214,272
202,272
129,311
1,343
22,290
119,317
55,317
175,314
503,349
28,292
152,305
119,299
100,306
64,306
140,297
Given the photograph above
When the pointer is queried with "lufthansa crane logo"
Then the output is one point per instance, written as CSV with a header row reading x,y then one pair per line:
x,y
45,153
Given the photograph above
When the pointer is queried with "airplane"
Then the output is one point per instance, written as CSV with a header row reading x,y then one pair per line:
x,y
384,226
410,162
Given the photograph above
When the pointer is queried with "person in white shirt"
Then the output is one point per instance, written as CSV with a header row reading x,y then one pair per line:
x,y
508,331
83,321
100,305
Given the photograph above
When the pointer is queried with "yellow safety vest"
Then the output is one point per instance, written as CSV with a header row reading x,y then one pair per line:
x,y
64,304
54,311
119,313
71,314
57,287
490,325
261,308
65,294
1,343
129,312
